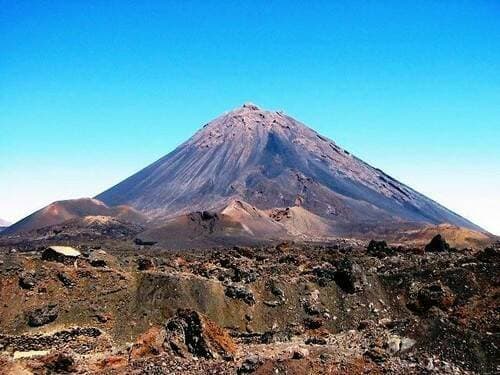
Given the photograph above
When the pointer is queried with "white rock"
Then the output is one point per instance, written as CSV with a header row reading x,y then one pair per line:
x,y
406,344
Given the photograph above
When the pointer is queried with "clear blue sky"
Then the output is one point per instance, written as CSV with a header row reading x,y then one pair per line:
x,y
92,91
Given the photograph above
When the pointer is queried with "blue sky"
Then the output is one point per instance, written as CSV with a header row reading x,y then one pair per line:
x,y
92,91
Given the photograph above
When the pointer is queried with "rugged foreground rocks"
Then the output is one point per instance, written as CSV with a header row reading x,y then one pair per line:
x,y
340,308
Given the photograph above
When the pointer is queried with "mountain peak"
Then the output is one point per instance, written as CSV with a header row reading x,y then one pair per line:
x,y
251,106
248,124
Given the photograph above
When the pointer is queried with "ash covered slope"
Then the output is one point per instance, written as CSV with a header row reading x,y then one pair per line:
x,y
62,211
269,159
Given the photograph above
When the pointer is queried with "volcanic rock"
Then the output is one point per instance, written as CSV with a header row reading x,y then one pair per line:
x,y
379,249
315,340
192,332
300,353
424,296
141,242
144,264
349,276
437,244
43,315
62,254
239,292
65,279
249,365
59,362
27,280
489,254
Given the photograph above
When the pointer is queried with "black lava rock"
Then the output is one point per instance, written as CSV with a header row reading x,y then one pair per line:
x,y
437,244
379,249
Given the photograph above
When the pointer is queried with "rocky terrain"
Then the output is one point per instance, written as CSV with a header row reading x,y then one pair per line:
x,y
115,305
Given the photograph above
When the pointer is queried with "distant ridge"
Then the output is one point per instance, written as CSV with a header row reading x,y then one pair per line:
x,y
3,225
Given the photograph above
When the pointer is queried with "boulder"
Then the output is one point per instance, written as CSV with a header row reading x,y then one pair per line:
x,y
393,344
244,275
379,249
324,274
299,353
376,354
113,362
396,344
62,254
313,323
98,263
315,340
43,315
421,297
349,276
249,365
141,242
102,318
27,280
144,264
437,244
65,280
194,333
239,292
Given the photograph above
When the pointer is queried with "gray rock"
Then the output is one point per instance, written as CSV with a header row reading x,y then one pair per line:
x,y
239,292
249,365
27,280
43,315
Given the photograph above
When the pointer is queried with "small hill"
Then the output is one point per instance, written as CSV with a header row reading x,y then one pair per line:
x,y
62,211
202,229
254,221
299,222
238,223
456,236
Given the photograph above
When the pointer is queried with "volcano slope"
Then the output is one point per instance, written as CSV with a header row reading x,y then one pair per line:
x,y
270,160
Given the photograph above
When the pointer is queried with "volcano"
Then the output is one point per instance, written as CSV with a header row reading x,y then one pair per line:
x,y
271,161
